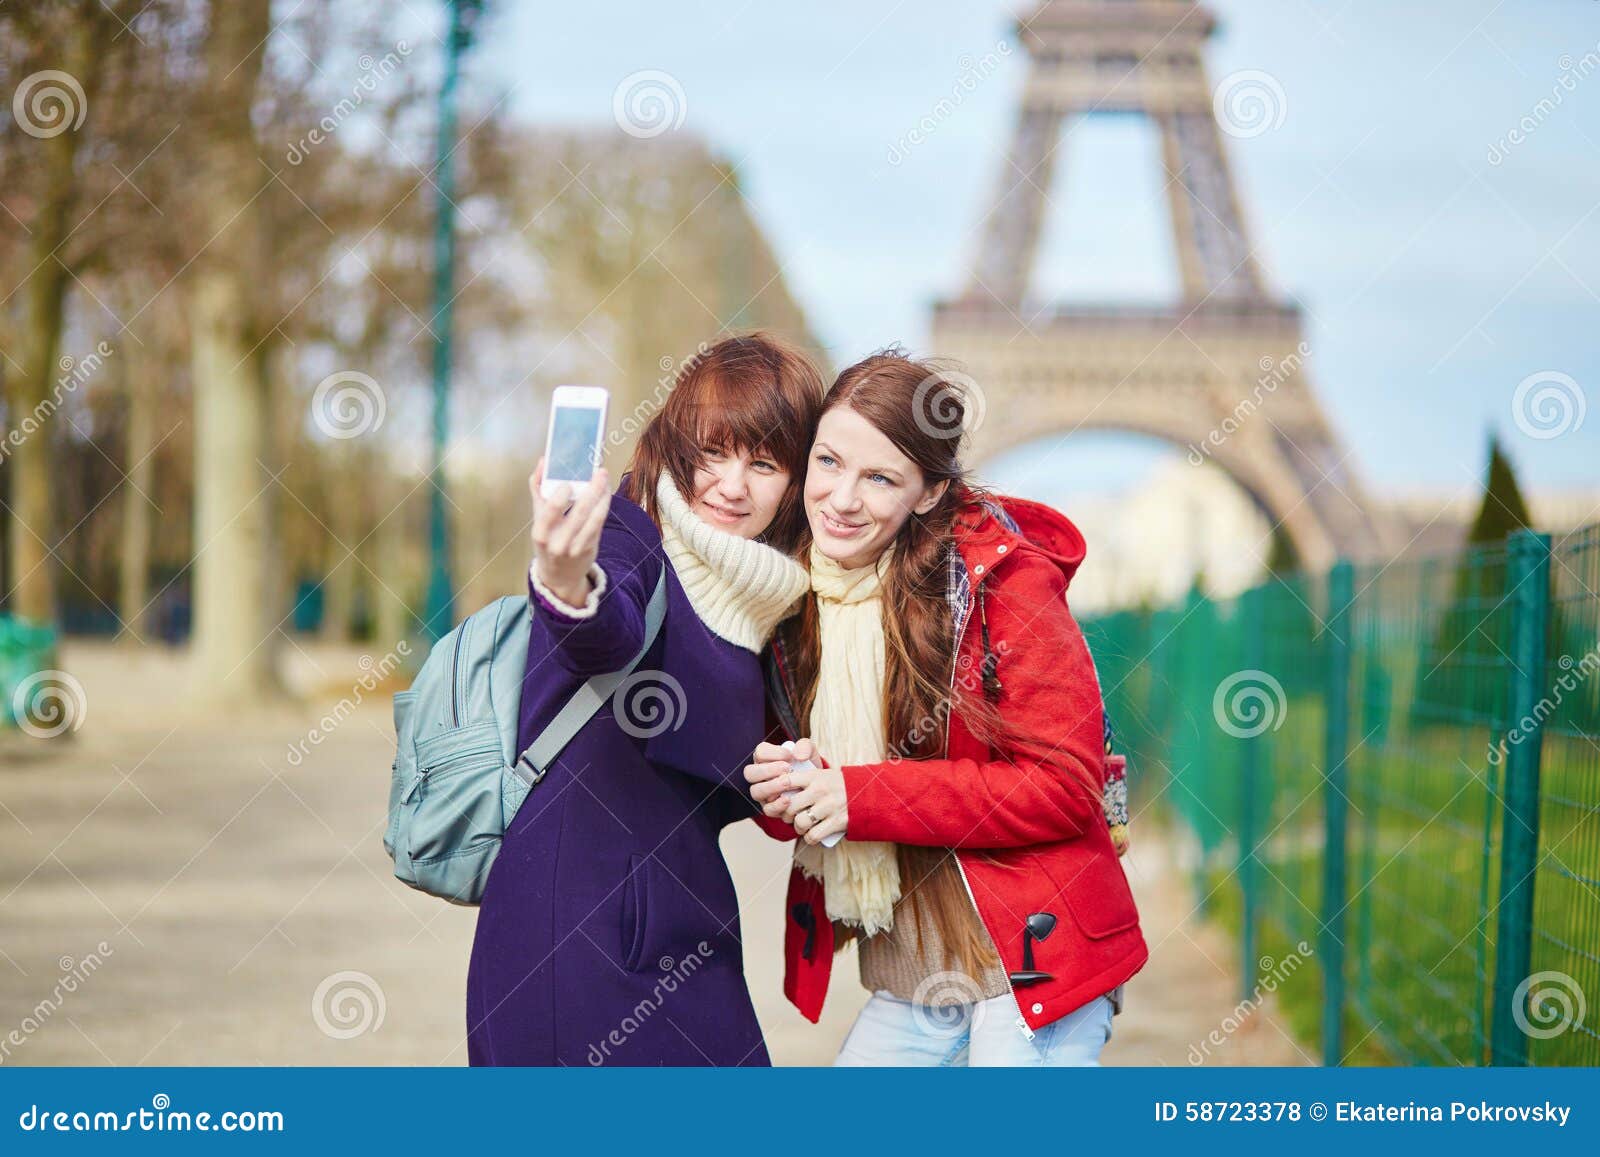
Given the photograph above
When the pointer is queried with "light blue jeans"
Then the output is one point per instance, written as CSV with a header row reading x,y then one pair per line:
x,y
891,1031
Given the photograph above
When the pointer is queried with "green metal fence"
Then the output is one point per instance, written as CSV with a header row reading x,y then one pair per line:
x,y
1390,776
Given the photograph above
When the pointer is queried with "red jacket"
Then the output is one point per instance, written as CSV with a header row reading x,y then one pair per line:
x,y
1029,830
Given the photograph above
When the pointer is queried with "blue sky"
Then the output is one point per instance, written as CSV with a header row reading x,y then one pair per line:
x,y
1433,281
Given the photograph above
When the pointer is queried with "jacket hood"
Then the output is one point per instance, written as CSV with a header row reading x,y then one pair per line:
x,y
1040,528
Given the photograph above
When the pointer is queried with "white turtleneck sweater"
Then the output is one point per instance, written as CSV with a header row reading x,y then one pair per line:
x,y
740,589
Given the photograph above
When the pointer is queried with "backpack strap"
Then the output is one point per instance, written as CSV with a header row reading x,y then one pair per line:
x,y
588,699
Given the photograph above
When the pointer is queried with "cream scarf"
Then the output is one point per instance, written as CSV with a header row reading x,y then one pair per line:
x,y
861,880
741,589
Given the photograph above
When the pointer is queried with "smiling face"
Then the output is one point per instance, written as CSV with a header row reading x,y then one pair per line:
x,y
738,492
860,489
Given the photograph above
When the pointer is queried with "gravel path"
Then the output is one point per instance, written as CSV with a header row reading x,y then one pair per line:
x,y
183,891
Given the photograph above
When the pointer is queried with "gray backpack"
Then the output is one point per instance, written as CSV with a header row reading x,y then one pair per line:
x,y
457,776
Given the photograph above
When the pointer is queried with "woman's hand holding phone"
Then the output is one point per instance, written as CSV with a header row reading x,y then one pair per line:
x,y
566,534
811,799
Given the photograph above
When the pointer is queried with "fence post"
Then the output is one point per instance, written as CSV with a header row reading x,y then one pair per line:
x,y
1528,589
1336,809
1255,627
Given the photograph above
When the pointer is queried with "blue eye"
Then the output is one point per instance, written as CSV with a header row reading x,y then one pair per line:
x,y
825,459
881,479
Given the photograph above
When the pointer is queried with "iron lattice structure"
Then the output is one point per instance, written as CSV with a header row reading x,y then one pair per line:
x,y
1219,371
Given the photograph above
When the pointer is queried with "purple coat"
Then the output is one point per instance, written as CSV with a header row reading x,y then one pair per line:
x,y
609,929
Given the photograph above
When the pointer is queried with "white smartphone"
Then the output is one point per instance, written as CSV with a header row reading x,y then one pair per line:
x,y
577,434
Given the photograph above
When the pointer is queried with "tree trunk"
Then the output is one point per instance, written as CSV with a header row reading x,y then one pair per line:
x,y
36,394
341,570
392,620
235,631
133,563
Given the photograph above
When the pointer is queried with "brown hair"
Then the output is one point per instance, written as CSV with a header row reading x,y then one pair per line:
x,y
753,392
920,406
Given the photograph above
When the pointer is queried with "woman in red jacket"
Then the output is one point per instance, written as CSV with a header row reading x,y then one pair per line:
x,y
944,690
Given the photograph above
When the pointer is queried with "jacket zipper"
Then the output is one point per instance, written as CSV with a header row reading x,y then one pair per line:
x,y
1022,1021
455,673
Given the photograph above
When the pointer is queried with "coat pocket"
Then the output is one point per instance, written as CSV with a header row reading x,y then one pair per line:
x,y
403,769
457,793
635,901
1096,889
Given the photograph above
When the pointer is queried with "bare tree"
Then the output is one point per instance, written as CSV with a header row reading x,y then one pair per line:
x,y
57,61
235,636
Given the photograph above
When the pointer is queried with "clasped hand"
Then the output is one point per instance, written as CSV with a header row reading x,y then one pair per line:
x,y
816,808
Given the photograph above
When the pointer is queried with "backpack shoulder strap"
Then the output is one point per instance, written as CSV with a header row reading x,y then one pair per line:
x,y
588,699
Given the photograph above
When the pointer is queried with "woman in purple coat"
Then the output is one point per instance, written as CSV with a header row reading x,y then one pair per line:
x,y
609,928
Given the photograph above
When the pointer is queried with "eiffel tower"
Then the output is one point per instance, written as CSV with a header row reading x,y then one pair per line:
x,y
1220,373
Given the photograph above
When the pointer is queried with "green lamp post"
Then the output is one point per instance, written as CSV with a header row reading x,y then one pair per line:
x,y
439,614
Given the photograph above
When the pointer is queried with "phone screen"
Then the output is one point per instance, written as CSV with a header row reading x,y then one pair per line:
x,y
574,444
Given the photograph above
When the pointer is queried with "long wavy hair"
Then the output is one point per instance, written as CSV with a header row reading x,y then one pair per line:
x,y
920,406
754,392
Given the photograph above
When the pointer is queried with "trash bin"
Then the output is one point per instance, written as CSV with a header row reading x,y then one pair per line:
x,y
25,649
